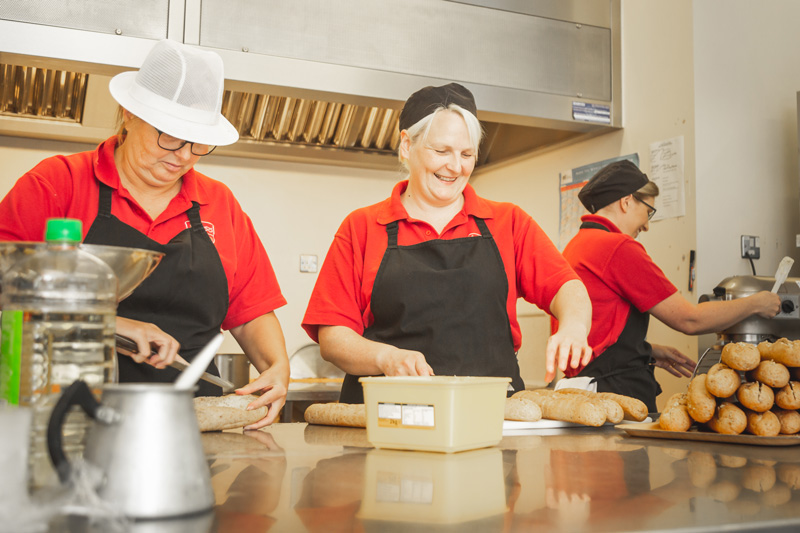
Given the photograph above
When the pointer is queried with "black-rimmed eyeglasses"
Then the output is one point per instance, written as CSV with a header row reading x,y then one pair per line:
x,y
173,144
650,209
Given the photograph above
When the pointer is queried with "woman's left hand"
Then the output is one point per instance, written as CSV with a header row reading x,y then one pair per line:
x,y
273,384
673,361
567,347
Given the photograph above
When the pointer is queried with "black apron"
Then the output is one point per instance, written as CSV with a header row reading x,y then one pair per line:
x,y
446,299
186,295
627,366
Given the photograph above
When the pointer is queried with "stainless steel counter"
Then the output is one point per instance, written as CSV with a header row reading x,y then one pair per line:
x,y
294,477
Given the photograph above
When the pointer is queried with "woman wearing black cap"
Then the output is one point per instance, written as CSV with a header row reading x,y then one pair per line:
x,y
427,281
626,287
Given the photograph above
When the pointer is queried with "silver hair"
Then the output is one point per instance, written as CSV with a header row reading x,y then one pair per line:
x,y
419,131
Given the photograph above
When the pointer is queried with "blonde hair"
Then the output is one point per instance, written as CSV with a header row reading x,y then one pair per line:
x,y
649,189
420,130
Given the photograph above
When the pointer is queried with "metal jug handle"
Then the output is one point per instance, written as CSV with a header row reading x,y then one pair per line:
x,y
76,394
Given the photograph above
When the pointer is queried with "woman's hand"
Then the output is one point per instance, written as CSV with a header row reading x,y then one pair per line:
x,y
397,362
673,361
147,337
262,341
273,384
567,347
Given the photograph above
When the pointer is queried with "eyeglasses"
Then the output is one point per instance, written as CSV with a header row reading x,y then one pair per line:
x,y
173,144
650,209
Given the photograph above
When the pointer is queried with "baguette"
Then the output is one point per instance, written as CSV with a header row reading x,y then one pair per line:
x,y
567,407
337,414
215,413
522,409
614,411
632,408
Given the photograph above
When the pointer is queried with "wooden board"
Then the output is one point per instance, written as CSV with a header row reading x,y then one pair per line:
x,y
653,430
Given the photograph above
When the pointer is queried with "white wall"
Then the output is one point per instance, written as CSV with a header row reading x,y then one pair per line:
x,y
295,208
747,74
658,104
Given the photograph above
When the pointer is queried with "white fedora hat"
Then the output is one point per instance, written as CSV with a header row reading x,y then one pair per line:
x,y
178,90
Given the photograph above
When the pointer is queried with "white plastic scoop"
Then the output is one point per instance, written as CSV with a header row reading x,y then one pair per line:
x,y
192,373
782,273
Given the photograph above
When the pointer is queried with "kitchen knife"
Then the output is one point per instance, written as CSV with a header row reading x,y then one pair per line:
x,y
129,345
782,273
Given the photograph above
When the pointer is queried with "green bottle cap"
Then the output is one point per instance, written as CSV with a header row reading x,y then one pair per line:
x,y
63,230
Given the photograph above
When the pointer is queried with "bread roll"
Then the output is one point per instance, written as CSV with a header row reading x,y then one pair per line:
x,y
728,419
567,407
722,380
789,473
778,495
731,461
789,396
675,416
700,403
740,355
758,478
770,373
782,351
702,469
337,414
522,409
724,491
215,413
764,424
756,396
789,420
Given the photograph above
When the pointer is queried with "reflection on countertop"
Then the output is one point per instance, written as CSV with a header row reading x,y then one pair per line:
x,y
295,477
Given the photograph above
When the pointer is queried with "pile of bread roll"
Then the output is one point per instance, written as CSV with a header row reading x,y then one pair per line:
x,y
745,485
764,403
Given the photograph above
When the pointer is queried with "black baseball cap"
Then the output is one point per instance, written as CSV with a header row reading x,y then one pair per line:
x,y
428,99
614,181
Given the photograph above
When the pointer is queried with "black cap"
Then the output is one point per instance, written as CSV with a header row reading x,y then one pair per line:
x,y
612,182
428,99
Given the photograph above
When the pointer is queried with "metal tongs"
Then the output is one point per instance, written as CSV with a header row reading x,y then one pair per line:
x,y
128,344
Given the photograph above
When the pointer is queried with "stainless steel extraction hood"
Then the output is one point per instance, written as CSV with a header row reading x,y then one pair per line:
x,y
324,80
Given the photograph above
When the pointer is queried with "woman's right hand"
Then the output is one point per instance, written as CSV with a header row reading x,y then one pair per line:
x,y
397,362
766,304
148,336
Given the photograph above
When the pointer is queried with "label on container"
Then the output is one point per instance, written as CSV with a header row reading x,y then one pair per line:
x,y
405,415
10,356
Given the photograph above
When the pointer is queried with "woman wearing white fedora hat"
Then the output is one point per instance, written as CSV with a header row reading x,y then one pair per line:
x,y
139,189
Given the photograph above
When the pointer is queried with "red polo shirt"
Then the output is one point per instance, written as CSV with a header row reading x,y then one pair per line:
x,y
343,292
68,186
617,273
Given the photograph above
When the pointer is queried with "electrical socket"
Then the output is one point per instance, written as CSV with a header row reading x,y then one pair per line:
x,y
308,263
751,247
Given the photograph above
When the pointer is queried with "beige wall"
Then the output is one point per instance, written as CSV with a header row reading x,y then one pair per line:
x,y
658,104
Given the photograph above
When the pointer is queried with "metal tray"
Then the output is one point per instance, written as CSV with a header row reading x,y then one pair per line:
x,y
652,430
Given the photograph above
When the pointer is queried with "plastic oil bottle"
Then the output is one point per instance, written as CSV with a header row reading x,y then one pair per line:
x,y
58,322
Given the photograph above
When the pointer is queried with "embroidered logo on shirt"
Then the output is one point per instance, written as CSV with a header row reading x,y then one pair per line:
x,y
474,235
207,225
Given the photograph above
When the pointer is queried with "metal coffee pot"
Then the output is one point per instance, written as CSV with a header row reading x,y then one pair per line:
x,y
145,440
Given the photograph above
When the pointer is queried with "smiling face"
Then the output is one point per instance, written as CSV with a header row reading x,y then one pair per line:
x,y
440,163
140,158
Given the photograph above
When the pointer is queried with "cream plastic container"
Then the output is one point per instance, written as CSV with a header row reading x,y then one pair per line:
x,y
434,488
434,413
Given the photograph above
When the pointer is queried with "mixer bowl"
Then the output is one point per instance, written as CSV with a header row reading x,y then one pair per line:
x,y
131,265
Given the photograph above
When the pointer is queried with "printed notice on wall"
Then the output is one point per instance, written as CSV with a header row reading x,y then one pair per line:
x,y
570,183
666,170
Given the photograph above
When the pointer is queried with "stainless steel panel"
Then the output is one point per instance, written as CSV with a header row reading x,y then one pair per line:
x,y
422,38
592,12
135,18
